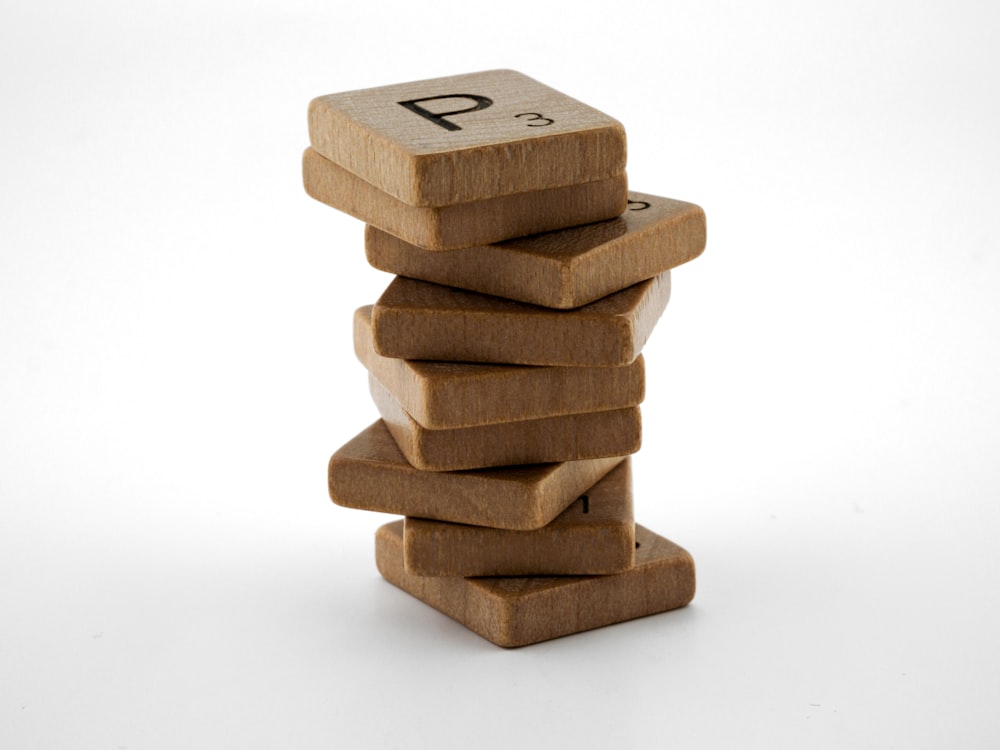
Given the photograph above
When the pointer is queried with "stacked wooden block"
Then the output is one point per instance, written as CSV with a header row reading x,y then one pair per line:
x,y
504,358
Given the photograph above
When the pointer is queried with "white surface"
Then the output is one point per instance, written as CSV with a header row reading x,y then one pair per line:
x,y
821,428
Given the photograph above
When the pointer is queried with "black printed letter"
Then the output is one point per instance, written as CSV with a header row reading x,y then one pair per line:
x,y
481,102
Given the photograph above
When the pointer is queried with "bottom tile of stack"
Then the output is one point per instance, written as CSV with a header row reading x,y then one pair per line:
x,y
518,611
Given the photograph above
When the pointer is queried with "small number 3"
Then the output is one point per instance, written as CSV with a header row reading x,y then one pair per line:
x,y
536,116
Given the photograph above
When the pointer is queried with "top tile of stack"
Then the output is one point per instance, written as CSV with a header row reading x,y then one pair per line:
x,y
466,138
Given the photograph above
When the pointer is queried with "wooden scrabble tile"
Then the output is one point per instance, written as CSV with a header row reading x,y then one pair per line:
x,y
463,224
571,437
562,269
517,611
445,395
466,138
370,473
593,536
419,320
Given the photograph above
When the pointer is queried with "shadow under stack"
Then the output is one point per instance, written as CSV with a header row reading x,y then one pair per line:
x,y
504,358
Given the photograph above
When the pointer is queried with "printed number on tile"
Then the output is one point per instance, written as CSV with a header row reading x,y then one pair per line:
x,y
536,116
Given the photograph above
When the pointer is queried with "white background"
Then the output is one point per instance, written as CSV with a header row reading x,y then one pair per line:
x,y
821,426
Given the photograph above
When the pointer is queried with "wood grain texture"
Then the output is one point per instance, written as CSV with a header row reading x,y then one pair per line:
x,y
370,473
593,536
562,269
463,224
446,395
420,320
493,150
518,611
571,437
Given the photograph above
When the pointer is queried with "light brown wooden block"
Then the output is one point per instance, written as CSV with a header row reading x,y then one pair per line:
x,y
445,395
370,473
593,536
517,611
419,320
466,138
562,269
599,434
463,224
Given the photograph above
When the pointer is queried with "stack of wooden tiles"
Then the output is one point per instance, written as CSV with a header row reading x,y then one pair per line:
x,y
504,358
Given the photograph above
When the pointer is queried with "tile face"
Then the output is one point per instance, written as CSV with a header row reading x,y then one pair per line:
x,y
517,611
419,320
463,224
562,269
466,138
593,536
446,395
572,437
370,473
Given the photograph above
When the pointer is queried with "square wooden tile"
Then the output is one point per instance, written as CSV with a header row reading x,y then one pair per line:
x,y
562,269
517,611
420,320
446,395
370,473
593,536
599,434
466,138
463,224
